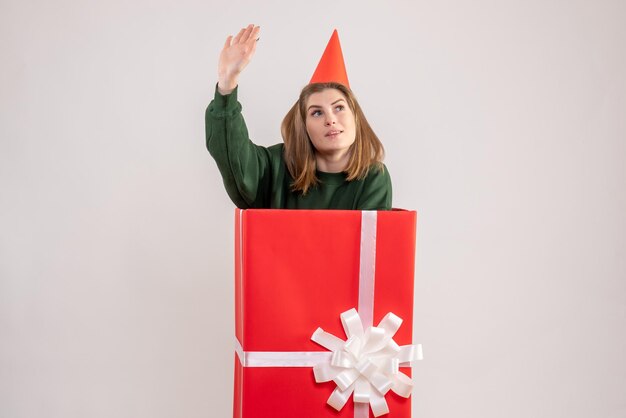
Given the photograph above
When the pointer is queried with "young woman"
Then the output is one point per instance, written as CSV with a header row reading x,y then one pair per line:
x,y
330,159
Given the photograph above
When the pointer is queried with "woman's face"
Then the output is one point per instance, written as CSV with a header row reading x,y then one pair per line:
x,y
330,124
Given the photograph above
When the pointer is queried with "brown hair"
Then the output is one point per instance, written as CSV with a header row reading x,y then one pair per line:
x,y
365,152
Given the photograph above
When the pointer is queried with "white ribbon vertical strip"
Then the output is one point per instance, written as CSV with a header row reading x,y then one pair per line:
x,y
368,267
367,281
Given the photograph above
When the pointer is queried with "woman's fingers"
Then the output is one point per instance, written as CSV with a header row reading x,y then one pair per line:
x,y
240,49
255,33
253,47
244,34
228,41
239,35
247,34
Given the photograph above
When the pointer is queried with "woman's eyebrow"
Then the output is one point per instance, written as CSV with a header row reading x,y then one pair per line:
x,y
332,104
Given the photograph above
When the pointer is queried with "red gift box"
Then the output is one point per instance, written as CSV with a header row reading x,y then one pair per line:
x,y
297,270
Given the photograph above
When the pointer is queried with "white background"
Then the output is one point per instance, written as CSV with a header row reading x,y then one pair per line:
x,y
504,125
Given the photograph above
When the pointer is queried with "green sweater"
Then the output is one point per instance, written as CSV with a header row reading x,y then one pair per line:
x,y
257,177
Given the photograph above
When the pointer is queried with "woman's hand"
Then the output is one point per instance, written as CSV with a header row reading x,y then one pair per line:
x,y
234,57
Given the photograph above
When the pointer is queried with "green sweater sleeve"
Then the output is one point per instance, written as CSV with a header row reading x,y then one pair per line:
x,y
244,166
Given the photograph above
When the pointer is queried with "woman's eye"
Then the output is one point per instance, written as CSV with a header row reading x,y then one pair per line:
x,y
340,107
316,113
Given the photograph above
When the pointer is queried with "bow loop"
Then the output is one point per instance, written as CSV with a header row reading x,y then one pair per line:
x,y
326,340
390,323
352,324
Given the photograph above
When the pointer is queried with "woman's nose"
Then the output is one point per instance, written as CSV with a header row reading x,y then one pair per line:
x,y
329,121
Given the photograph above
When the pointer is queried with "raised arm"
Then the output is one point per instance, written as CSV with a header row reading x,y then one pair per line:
x,y
246,168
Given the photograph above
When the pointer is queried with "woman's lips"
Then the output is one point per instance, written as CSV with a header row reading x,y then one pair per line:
x,y
332,134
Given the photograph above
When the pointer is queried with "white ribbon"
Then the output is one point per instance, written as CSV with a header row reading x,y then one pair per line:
x,y
280,358
366,365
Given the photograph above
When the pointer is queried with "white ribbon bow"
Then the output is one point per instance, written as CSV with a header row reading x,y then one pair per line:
x,y
367,363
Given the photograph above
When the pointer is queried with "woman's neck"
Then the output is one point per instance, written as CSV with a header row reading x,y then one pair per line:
x,y
332,163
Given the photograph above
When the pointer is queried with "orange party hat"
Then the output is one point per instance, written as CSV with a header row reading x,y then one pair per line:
x,y
331,66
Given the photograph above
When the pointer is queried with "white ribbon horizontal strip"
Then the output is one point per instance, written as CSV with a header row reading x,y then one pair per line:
x,y
281,358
